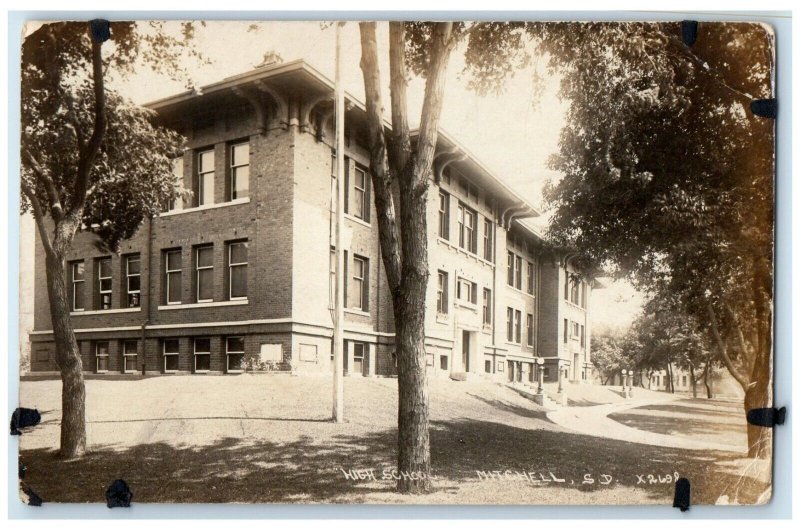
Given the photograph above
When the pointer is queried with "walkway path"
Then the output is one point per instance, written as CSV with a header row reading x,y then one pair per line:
x,y
594,421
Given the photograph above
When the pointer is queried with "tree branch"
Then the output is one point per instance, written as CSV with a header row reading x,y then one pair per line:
x,y
723,354
38,216
87,158
381,175
441,46
400,148
56,209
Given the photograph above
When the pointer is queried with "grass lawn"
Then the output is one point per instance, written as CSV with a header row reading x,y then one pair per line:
x,y
261,438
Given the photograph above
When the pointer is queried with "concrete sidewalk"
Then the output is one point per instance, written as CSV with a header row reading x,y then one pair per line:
x,y
594,421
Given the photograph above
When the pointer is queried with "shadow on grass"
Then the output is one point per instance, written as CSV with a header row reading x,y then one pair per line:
x,y
309,469
721,411
512,408
679,426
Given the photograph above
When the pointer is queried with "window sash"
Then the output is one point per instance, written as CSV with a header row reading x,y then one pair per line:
x,y
129,356
517,272
170,349
204,275
78,286
359,268
530,278
205,177
510,324
173,272
101,350
235,354
444,215
240,170
133,281
360,193
511,269
487,306
441,293
518,326
176,202
237,270
488,240
202,349
104,280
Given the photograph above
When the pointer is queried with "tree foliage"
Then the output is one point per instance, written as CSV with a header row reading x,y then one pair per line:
x,y
130,175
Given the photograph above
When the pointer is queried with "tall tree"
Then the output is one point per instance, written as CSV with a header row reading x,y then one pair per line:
x,y
671,184
90,161
401,166
405,251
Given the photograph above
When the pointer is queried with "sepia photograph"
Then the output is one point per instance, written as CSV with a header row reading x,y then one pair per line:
x,y
432,262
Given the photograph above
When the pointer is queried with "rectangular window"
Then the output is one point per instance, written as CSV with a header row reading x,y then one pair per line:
x,y
360,283
205,177
360,204
240,171
104,282
130,350
101,356
518,272
467,236
204,266
133,280
488,240
202,355
510,279
510,324
467,291
566,331
583,336
171,349
529,322
78,286
444,215
172,276
176,202
441,293
576,330
234,351
487,306
585,294
518,326
443,362
530,278
237,270
573,296
487,366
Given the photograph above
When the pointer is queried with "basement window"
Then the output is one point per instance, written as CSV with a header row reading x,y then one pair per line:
x,y
171,355
202,355
234,350
130,350
101,354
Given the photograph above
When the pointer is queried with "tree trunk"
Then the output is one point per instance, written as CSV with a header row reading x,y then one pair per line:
x,y
413,444
758,393
694,381
405,251
707,379
68,359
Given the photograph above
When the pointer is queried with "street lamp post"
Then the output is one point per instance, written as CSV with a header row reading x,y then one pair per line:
x,y
630,383
624,383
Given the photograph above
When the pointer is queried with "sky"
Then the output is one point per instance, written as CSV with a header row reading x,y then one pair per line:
x,y
509,132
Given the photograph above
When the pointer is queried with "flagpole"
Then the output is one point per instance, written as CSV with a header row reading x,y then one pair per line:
x,y
338,324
